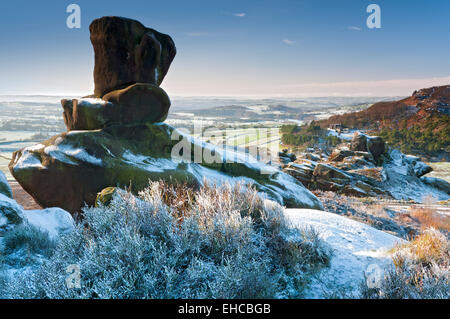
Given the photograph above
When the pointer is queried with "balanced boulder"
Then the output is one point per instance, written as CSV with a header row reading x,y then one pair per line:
x,y
117,139
126,52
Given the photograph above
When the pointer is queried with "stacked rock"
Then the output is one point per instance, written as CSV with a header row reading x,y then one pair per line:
x,y
115,137
131,61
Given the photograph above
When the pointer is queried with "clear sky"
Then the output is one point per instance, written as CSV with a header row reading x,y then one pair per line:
x,y
245,47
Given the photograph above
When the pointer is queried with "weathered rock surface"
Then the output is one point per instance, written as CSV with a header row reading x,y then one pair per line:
x,y
437,183
137,104
375,145
286,157
339,154
359,143
321,176
401,179
10,213
126,52
69,170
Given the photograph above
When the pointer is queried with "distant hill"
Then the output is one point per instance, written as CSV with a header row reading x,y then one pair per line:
x,y
417,124
421,107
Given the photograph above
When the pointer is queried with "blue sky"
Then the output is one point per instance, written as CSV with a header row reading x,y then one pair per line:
x,y
247,47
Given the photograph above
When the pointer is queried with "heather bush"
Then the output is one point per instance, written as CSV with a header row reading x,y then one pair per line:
x,y
172,242
25,245
421,270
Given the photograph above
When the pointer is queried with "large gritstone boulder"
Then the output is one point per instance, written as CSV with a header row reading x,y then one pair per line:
x,y
69,169
359,143
375,145
117,138
126,52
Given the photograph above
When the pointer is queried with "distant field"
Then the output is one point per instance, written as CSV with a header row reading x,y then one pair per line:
x,y
440,170
244,137
4,168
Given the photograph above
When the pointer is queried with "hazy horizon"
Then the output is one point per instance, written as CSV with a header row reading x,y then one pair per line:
x,y
234,48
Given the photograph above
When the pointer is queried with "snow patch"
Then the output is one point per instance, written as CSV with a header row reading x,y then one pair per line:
x,y
356,246
28,160
34,148
64,153
92,102
149,163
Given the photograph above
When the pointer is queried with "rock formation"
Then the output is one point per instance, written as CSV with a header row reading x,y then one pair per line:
x,y
372,144
126,52
116,138
367,167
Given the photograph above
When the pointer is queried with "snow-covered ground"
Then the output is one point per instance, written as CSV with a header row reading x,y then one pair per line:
x,y
358,249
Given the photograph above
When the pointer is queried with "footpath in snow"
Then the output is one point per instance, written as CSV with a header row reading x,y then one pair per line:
x,y
357,247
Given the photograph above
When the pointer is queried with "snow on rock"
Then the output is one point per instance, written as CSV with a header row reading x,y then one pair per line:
x,y
401,178
92,102
149,163
64,153
28,160
357,247
5,189
347,135
11,213
55,221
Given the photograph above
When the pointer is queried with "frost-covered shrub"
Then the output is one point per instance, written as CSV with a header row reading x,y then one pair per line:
x,y
225,242
421,270
24,245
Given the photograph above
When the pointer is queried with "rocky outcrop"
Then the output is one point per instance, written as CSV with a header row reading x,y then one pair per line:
x,y
126,53
54,221
119,140
321,176
350,170
10,213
